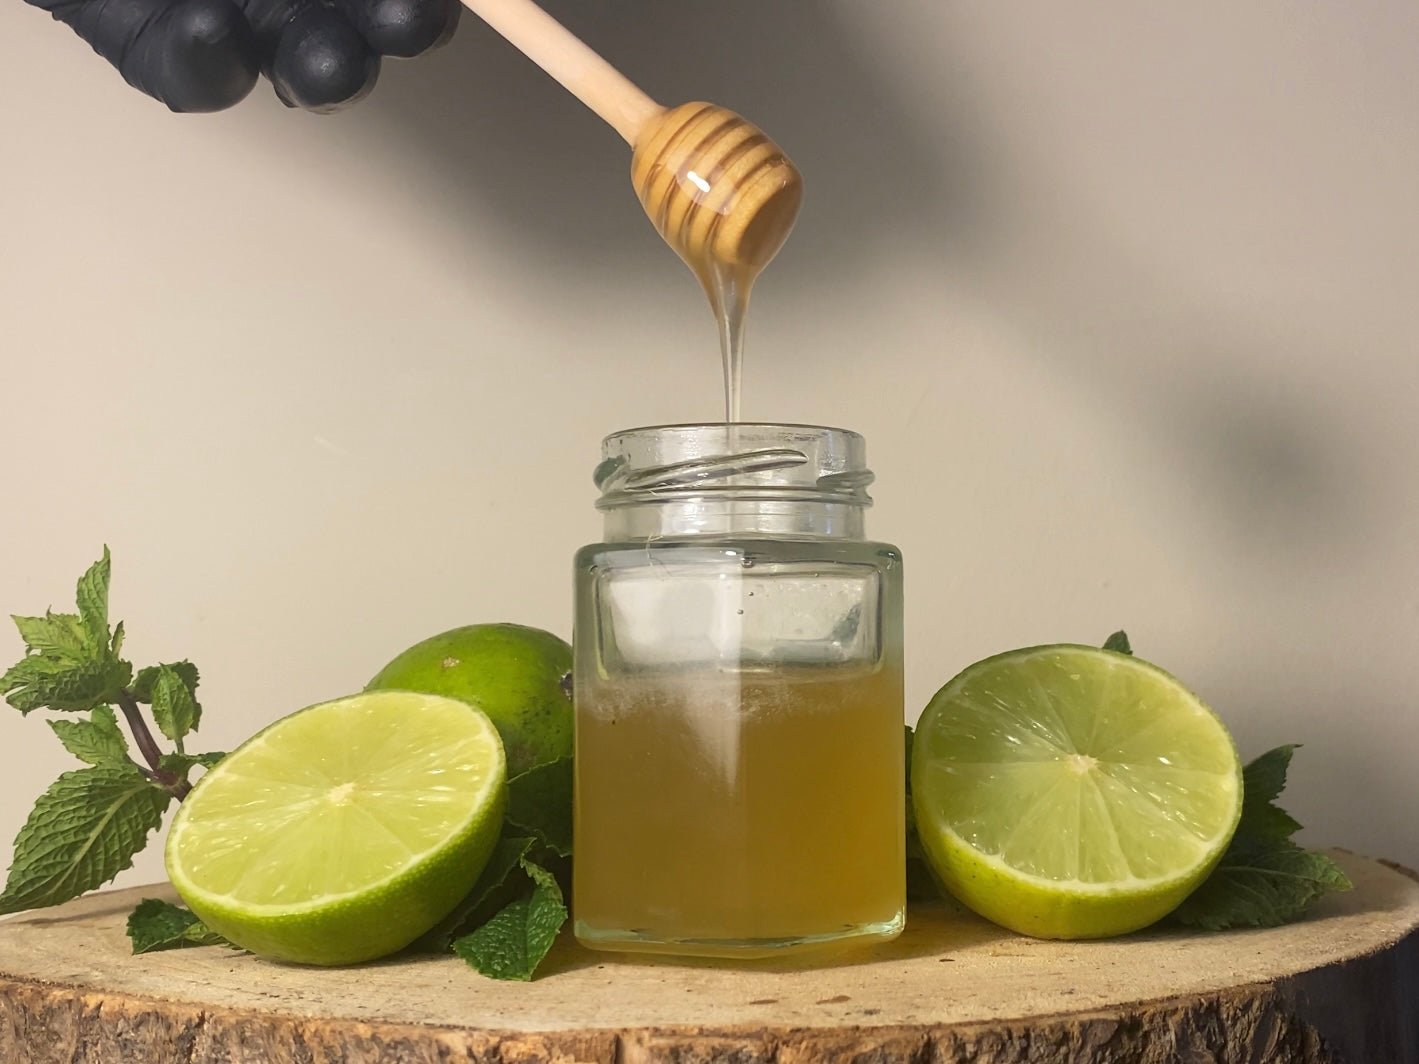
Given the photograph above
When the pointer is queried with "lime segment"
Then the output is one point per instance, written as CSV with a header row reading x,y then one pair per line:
x,y
344,831
1071,792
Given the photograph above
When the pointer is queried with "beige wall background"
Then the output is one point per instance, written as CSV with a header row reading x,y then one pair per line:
x,y
1125,298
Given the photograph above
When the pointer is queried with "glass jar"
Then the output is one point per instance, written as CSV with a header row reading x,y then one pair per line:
x,y
738,692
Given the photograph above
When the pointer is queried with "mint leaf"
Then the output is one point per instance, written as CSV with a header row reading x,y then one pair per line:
x,y
54,681
1118,642
92,597
539,802
96,741
1264,886
157,925
174,709
58,633
1266,775
513,943
81,833
1262,782
146,678
497,885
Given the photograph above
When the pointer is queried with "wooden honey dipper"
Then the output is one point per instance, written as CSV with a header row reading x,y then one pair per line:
x,y
719,191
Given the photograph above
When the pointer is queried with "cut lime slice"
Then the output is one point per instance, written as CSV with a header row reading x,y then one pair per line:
x,y
1071,792
344,831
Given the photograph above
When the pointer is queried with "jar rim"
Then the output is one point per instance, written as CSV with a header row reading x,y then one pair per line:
x,y
761,462
751,425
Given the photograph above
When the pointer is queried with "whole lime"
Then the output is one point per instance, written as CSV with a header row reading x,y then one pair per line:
x,y
518,676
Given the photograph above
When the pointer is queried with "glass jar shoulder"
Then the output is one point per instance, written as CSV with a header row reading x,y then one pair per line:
x,y
748,550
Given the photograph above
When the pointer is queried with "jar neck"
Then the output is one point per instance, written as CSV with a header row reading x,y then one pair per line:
x,y
789,481
701,516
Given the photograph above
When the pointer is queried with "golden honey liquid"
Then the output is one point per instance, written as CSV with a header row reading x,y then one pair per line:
x,y
729,285
728,289
739,809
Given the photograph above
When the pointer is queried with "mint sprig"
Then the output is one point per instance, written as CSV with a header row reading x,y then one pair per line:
x,y
91,822
1264,879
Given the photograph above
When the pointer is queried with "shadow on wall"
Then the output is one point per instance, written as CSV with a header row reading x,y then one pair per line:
x,y
1189,380
501,141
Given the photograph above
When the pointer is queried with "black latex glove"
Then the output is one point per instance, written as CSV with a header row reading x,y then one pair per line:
x,y
205,55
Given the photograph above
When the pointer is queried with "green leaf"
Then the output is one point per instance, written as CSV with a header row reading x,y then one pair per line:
x,y
23,680
174,709
51,681
81,833
157,925
146,678
1261,887
1266,775
92,597
116,645
497,885
539,802
513,943
96,741
57,633
1262,782
1118,642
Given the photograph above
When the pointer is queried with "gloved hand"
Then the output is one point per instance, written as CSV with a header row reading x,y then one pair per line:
x,y
204,55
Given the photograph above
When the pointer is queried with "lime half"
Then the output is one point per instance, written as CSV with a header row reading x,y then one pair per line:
x,y
344,831
1071,792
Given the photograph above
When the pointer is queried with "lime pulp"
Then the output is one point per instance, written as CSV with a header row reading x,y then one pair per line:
x,y
1071,792
344,831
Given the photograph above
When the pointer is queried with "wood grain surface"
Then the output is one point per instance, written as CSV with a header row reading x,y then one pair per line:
x,y
1342,985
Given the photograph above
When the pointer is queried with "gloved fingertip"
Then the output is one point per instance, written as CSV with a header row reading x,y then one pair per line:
x,y
199,56
322,63
403,28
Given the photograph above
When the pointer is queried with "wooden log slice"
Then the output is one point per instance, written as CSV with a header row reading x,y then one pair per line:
x,y
1342,985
